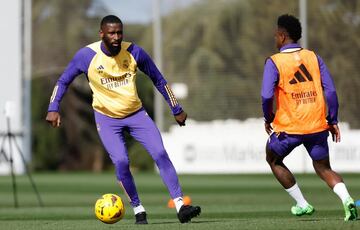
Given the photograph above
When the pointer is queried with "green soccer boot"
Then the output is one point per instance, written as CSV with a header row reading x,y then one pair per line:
x,y
350,210
299,211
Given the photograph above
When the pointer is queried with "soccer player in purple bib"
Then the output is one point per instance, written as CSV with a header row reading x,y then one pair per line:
x,y
301,84
110,66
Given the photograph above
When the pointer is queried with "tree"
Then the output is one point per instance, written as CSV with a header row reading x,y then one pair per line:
x,y
218,48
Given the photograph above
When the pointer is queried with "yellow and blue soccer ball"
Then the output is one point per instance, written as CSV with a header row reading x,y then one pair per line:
x,y
109,208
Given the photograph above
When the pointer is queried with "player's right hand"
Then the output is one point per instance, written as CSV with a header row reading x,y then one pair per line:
x,y
54,119
181,118
335,133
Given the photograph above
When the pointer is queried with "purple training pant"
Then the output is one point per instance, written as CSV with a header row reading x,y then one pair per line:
x,y
143,129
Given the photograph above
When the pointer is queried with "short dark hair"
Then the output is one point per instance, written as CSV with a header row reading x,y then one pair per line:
x,y
291,24
110,19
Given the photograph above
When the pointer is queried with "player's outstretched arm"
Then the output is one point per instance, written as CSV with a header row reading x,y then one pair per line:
x,y
54,119
147,66
181,118
335,132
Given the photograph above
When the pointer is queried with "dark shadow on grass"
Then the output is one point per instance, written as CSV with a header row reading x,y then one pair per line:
x,y
320,219
165,222
310,220
206,221
193,222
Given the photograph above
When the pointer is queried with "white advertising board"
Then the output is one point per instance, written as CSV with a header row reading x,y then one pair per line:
x,y
233,146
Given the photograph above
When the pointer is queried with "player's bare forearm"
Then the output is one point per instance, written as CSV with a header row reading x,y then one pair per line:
x,y
54,119
181,118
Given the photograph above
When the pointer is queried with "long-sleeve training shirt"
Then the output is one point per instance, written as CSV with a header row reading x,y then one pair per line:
x,y
112,79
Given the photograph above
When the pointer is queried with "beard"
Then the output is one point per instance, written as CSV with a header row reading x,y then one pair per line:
x,y
114,50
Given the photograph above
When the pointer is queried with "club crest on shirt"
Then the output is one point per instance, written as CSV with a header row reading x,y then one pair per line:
x,y
125,64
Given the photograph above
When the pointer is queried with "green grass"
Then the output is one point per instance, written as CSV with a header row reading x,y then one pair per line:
x,y
227,202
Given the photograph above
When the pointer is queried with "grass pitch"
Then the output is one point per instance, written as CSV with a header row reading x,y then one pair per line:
x,y
227,202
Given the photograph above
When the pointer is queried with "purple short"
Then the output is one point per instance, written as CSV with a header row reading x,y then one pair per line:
x,y
316,144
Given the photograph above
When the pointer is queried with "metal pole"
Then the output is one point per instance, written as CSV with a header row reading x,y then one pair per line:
x,y
158,101
11,160
303,20
304,44
26,75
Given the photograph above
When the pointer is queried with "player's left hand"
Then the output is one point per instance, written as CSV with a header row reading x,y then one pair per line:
x,y
181,118
268,128
54,119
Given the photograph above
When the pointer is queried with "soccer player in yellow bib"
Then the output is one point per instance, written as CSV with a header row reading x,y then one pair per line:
x,y
301,84
110,66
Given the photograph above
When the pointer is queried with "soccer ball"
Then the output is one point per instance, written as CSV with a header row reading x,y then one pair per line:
x,y
109,208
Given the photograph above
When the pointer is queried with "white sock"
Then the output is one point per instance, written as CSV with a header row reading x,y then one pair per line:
x,y
138,209
178,203
295,193
341,191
